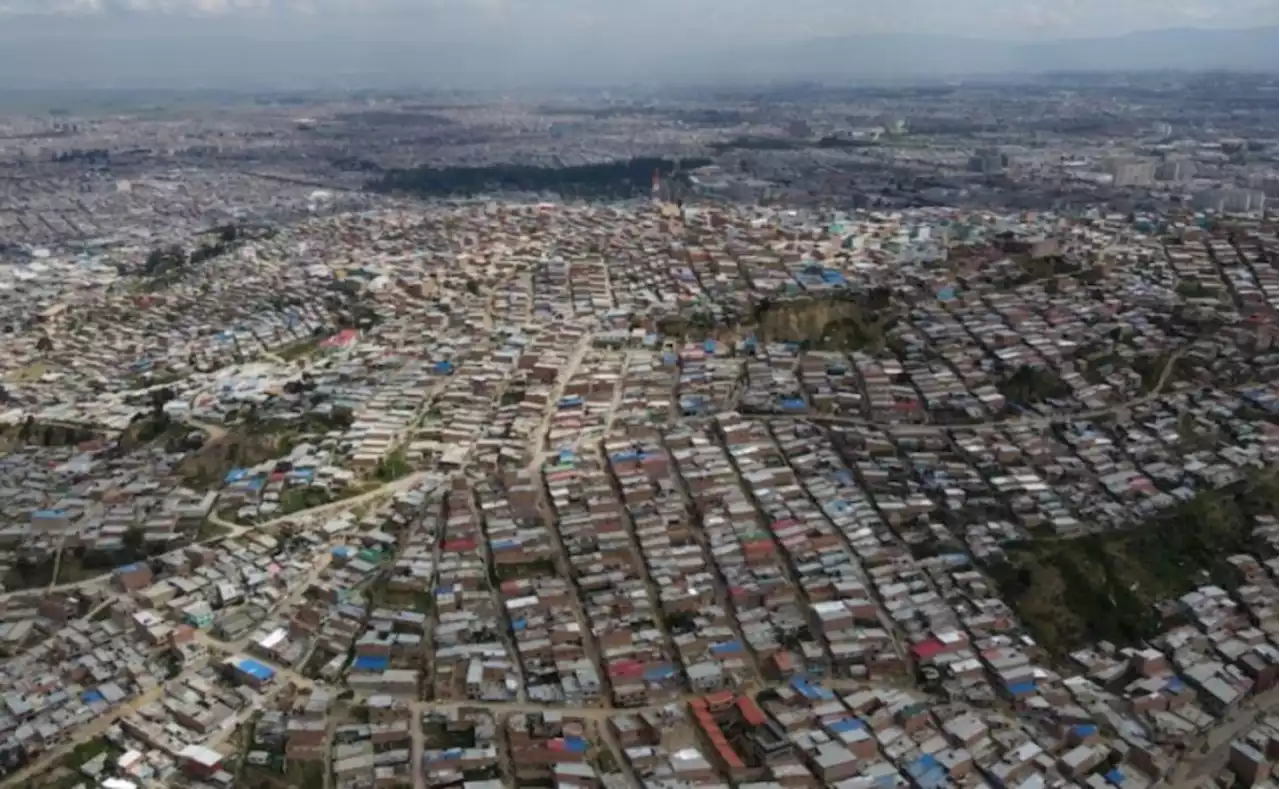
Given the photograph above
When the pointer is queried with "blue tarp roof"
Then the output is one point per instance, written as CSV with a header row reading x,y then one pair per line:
x,y
575,745
935,777
657,673
1114,776
846,724
370,663
255,669
90,696
801,686
1022,688
48,513
1084,729
728,647
235,475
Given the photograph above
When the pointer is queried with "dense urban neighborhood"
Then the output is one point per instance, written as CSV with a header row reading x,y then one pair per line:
x,y
322,484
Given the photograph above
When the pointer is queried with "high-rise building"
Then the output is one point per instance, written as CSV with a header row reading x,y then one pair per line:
x,y
1128,173
1175,170
988,161
1231,201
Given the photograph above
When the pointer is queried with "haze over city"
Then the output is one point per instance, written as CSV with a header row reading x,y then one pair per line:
x,y
504,43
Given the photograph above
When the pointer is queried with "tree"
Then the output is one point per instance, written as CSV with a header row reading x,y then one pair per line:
x,y
163,259
158,399
134,540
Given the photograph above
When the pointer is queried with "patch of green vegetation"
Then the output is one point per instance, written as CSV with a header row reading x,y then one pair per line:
x,y
304,773
392,467
1028,385
299,350
1192,289
211,531
1037,268
162,260
1105,586
608,179
381,596
537,568
157,429
606,763
758,144
302,497
72,569
1092,275
1151,368
86,752
1097,367
27,574
28,373
440,737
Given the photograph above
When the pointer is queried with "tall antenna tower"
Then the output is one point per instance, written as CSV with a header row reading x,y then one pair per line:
x,y
655,189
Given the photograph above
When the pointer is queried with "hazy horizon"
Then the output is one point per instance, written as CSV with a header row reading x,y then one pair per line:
x,y
492,43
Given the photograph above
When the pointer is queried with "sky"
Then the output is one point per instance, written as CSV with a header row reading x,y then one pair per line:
x,y
750,20
55,41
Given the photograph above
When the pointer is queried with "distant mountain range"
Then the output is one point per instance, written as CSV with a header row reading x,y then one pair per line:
x,y
905,56
45,53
